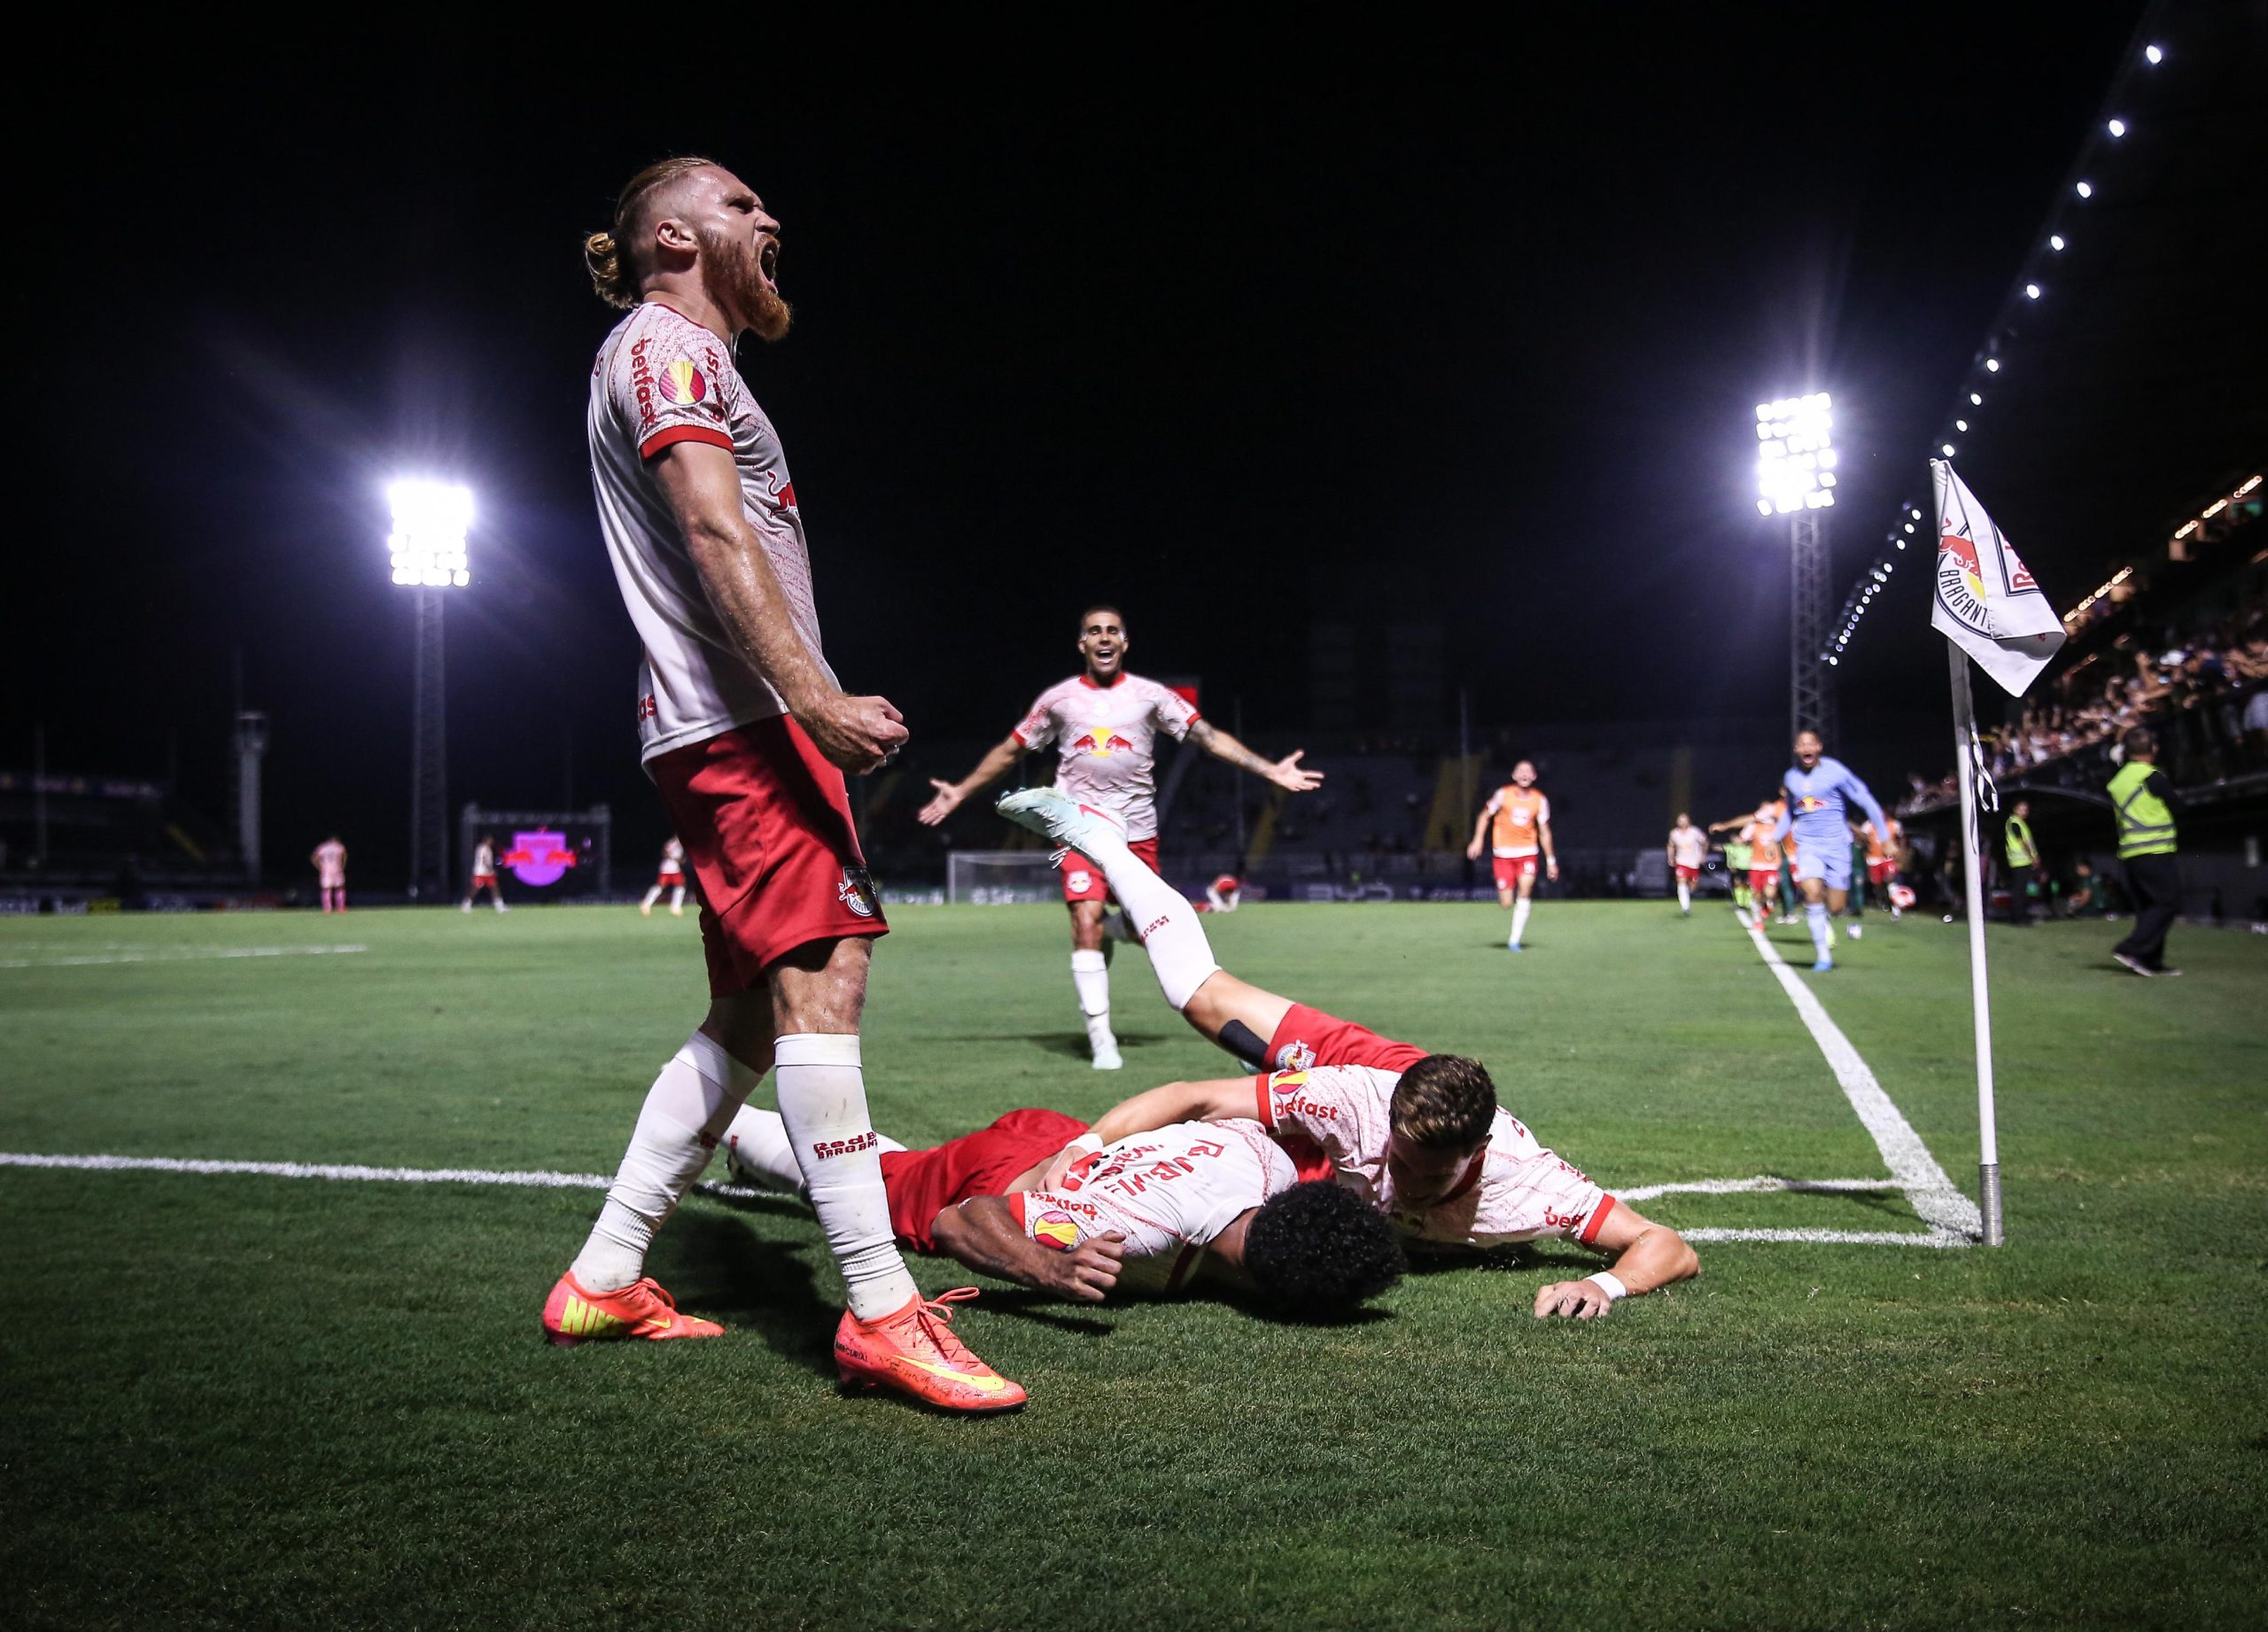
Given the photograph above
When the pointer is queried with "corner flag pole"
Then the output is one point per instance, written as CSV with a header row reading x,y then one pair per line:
x,y
1972,879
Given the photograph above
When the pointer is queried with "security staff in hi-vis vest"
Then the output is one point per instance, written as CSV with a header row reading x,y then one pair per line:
x,y
2021,851
2142,801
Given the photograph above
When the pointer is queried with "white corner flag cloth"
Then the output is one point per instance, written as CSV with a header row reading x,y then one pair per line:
x,y
1987,601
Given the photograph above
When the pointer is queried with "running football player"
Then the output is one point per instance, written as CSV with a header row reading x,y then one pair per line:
x,y
1763,859
747,733
1103,724
671,878
1688,848
1821,791
1420,1137
1884,850
1517,824
483,875
1155,1213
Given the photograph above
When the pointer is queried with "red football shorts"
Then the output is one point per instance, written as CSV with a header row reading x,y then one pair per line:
x,y
922,1183
765,822
1512,869
1883,871
484,881
1763,880
669,881
1307,1037
1686,874
1083,880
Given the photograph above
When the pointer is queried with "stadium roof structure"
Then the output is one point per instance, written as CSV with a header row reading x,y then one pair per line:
x,y
2124,378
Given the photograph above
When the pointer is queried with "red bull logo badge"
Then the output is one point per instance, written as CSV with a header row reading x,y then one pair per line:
x,y
1057,1229
857,891
1106,740
681,382
539,857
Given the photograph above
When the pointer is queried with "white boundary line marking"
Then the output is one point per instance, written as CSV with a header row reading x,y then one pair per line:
x,y
181,956
1916,1171
1762,1181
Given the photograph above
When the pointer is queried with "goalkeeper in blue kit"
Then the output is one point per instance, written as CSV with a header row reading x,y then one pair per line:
x,y
1821,791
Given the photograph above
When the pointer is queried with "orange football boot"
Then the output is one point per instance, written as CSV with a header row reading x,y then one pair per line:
x,y
641,1309
915,1352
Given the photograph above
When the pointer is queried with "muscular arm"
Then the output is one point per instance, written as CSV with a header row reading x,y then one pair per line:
x,y
702,487
1285,772
989,769
1224,1100
984,1234
1647,1256
1479,831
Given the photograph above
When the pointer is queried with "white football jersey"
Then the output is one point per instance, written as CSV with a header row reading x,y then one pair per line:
x,y
1690,844
662,378
1105,739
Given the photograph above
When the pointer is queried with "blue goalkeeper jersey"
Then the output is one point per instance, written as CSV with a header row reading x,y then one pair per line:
x,y
1819,804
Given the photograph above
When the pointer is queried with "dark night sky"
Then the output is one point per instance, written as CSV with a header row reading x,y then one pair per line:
x,y
1244,331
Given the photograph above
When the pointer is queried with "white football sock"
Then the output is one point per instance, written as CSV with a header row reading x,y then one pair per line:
x,y
1519,918
1091,976
823,1105
1166,924
757,1141
677,897
652,895
1684,896
1822,934
686,1111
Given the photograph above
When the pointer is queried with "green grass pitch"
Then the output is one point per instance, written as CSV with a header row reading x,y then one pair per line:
x,y
251,1401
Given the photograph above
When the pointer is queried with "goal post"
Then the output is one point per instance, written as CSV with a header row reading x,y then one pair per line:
x,y
1001,878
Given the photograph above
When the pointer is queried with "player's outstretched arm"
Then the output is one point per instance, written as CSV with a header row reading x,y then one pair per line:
x,y
1647,1256
1285,772
1222,1100
702,487
989,769
984,1234
1479,831
1551,855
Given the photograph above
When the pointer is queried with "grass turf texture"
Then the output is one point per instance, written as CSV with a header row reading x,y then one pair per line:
x,y
243,1400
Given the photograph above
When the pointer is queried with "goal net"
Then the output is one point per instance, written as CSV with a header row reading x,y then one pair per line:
x,y
1001,877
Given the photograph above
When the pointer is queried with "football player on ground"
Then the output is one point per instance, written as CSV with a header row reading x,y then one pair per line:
x,y
483,875
1103,724
1151,1213
1516,823
747,733
1821,791
1420,1137
671,878
1688,848
329,861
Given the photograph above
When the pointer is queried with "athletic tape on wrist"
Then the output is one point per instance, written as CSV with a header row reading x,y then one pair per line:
x,y
1614,1289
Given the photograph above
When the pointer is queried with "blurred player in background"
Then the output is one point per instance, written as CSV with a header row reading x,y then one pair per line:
x,y
1104,725
1688,848
1154,1212
1820,792
484,875
747,733
1516,824
329,861
1420,1137
1763,844
671,878
1736,856
1223,894
1884,847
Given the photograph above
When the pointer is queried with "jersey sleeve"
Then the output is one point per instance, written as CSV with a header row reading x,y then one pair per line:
x,y
1173,713
1495,803
1863,797
1542,811
1062,1222
1036,729
668,385
1331,1108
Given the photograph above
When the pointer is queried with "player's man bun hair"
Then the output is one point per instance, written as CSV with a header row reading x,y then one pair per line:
x,y
1316,1252
607,256
1444,1102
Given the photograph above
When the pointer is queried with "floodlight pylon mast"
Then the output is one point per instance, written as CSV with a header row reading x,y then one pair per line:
x,y
1811,691
429,829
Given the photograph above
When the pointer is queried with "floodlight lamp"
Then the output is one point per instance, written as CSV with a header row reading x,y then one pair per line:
x,y
2154,54
1960,424
1975,400
1909,526
2056,241
1948,446
1763,506
1991,365
2031,292
1901,543
2085,190
1915,512
2117,127
429,520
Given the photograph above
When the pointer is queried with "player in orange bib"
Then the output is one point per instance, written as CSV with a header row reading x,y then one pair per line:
x,y
1516,824
1881,858
1763,857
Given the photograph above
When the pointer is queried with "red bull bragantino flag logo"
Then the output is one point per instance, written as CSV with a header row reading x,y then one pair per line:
x,y
1104,739
1987,602
539,857
681,382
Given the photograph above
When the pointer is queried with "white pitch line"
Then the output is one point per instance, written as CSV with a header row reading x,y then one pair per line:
x,y
1763,1182
1847,1238
179,956
1941,1206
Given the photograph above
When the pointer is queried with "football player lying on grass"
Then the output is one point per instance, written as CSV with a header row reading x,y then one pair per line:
x,y
1418,1136
1155,1213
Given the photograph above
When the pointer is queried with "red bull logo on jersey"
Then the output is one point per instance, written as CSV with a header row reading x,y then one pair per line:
x,y
539,857
681,382
1294,1056
1057,1229
857,891
1104,740
1811,801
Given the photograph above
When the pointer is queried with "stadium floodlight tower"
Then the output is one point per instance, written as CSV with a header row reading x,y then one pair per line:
x,y
428,542
1795,478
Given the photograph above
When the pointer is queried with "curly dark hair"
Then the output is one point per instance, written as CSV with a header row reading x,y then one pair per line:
x,y
1317,1252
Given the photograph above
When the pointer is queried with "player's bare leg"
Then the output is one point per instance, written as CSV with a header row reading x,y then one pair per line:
x,y
1090,978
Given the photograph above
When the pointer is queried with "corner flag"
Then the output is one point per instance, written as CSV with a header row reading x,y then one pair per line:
x,y
1987,603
